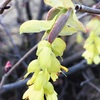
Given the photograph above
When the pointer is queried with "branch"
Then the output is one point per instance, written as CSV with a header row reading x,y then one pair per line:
x,y
3,5
90,83
13,86
83,8
16,65
80,66
15,49
69,60
97,6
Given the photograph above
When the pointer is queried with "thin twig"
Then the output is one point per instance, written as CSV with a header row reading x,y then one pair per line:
x,y
13,86
83,8
90,83
16,65
72,58
3,5
80,66
97,6
15,49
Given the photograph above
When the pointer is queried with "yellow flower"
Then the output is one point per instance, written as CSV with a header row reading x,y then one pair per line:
x,y
54,76
28,92
45,58
55,65
33,94
41,45
40,81
33,78
58,46
33,66
48,88
52,96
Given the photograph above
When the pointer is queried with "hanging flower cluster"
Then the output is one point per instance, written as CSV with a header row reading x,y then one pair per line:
x,y
92,44
46,66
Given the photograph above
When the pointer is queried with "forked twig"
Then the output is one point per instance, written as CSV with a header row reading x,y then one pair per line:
x,y
12,69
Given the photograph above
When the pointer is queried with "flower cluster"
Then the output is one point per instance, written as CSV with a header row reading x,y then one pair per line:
x,y
92,46
46,66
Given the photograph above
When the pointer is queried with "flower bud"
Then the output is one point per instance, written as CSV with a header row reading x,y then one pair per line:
x,y
41,45
52,96
33,66
55,66
54,76
48,88
58,46
45,58
39,82
33,78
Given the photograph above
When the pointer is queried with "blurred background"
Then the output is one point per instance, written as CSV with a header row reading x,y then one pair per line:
x,y
13,46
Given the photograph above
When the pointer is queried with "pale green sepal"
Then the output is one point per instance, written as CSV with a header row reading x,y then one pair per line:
x,y
41,45
54,76
52,96
33,66
39,82
45,58
48,88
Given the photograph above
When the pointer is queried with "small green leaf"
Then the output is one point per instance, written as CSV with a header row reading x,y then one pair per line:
x,y
67,30
74,22
36,26
72,26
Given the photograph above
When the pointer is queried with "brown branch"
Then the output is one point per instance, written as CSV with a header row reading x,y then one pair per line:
x,y
87,9
16,65
13,86
69,60
90,83
3,5
97,6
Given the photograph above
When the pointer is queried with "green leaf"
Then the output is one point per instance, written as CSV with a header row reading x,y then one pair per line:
x,y
36,26
72,26
74,22
67,30
60,3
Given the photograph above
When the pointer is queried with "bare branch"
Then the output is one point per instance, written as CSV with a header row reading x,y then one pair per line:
x,y
83,8
90,83
16,65
97,6
13,86
71,59
80,66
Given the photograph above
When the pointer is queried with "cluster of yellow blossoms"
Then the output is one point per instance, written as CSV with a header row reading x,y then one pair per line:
x,y
92,44
46,66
